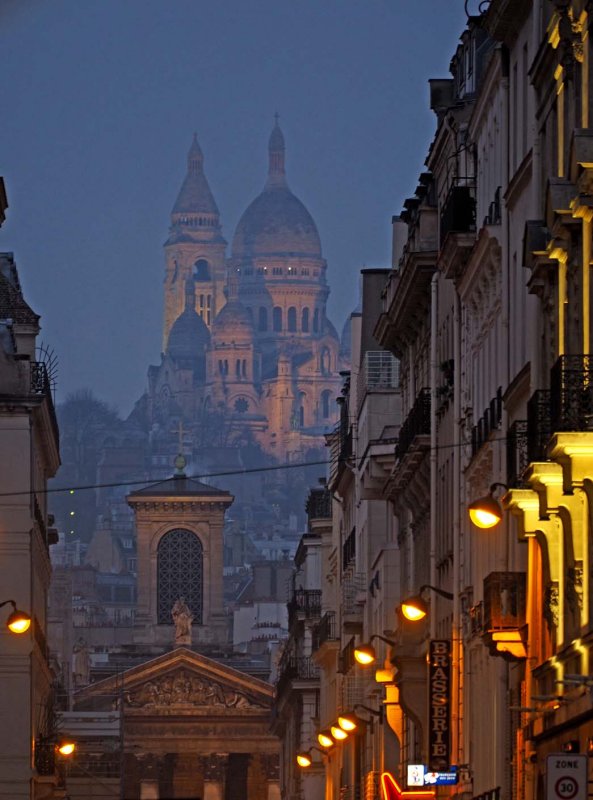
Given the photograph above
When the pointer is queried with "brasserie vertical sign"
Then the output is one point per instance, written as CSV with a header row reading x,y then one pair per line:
x,y
439,704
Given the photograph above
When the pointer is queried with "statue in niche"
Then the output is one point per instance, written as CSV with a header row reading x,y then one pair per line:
x,y
182,619
81,663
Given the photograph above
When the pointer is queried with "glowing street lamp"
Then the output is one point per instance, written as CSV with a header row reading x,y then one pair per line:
x,y
325,739
338,733
365,654
415,608
486,512
66,747
18,621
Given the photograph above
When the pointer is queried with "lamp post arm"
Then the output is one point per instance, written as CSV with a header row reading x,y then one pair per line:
x,y
441,592
383,639
6,602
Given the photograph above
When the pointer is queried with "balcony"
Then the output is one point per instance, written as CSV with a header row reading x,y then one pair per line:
x,y
325,631
304,603
571,394
39,384
517,459
319,504
353,600
295,668
488,423
505,597
416,425
379,372
458,211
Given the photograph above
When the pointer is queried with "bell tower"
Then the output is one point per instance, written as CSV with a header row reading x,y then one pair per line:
x,y
179,527
195,249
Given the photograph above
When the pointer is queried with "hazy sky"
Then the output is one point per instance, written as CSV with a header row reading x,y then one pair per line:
x,y
98,103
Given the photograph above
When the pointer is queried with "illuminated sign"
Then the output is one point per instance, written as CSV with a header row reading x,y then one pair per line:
x,y
439,712
419,776
391,790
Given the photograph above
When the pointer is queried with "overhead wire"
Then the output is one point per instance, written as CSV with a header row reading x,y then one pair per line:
x,y
226,473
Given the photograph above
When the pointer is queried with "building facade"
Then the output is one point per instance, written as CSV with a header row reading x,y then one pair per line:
x,y
487,310
29,441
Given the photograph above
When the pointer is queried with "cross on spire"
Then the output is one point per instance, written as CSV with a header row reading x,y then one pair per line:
x,y
276,117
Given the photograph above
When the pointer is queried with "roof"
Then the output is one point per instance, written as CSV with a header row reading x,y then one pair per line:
x,y
12,303
179,486
195,195
276,223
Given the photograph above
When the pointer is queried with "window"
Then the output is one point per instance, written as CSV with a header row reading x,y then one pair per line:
x,y
179,574
325,402
277,319
305,321
316,321
262,324
276,270
292,320
238,368
201,270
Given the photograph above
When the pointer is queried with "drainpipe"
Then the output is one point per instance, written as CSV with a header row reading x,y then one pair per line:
x,y
434,378
457,655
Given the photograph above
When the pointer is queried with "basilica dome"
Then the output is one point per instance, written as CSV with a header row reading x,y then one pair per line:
x,y
276,223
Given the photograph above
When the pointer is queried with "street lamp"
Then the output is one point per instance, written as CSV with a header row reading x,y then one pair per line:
x,y
365,653
304,758
486,512
338,733
66,747
18,621
415,608
350,721
325,739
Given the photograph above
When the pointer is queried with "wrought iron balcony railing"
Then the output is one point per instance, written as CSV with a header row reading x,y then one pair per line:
x,y
504,600
458,211
571,398
306,602
417,423
488,422
349,550
326,630
319,504
294,668
539,425
517,458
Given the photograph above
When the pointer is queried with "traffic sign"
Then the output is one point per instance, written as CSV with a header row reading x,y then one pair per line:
x,y
566,777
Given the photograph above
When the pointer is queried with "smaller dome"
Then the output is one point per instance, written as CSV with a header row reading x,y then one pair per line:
x,y
189,336
188,339
234,321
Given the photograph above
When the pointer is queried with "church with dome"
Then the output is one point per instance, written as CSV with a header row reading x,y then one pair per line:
x,y
249,356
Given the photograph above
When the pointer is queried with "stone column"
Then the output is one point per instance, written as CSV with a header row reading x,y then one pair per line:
x,y
214,768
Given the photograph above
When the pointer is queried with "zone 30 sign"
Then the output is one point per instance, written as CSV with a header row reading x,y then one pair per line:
x,y
566,777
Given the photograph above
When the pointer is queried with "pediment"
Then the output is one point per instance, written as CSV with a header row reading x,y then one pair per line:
x,y
181,682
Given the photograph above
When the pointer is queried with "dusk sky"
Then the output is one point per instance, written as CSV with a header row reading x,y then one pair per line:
x,y
99,101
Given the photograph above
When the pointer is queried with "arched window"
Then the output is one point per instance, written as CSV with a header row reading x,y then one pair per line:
x,y
316,321
305,321
325,402
291,320
201,270
325,361
302,399
180,570
263,319
277,319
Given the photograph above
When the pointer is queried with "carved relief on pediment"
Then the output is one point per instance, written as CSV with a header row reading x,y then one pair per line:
x,y
185,688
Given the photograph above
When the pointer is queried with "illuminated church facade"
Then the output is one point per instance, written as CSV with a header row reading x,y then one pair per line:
x,y
249,354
